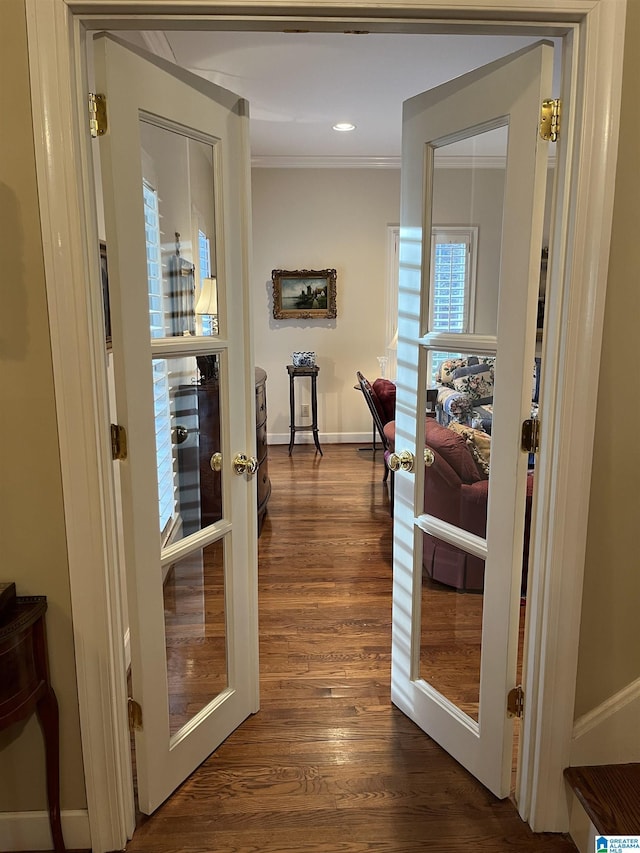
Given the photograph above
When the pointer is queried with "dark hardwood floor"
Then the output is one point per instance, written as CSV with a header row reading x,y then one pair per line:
x,y
328,765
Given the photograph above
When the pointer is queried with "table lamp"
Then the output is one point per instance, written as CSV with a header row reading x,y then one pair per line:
x,y
207,306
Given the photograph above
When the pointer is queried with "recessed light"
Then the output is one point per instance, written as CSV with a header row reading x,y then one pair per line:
x,y
344,126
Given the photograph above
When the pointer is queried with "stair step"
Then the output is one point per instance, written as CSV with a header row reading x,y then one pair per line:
x,y
610,795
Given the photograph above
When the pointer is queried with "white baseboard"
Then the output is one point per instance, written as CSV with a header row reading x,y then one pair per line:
x,y
609,733
31,830
325,438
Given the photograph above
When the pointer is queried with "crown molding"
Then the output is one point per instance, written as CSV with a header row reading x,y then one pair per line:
x,y
323,162
329,162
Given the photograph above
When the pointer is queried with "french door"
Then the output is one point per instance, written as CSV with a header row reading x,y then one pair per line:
x,y
175,181
454,691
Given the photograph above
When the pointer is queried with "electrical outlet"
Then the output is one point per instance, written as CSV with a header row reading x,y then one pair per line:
x,y
304,410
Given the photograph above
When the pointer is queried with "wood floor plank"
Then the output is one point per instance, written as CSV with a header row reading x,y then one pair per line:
x,y
328,765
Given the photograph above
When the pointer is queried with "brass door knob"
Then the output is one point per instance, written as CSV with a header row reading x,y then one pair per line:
x,y
403,460
216,462
243,464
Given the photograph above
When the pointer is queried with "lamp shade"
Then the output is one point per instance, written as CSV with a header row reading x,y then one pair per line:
x,y
208,299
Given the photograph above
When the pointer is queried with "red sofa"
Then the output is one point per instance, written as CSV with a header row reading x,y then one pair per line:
x,y
456,491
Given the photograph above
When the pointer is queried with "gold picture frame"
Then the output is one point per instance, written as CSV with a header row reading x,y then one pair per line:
x,y
304,294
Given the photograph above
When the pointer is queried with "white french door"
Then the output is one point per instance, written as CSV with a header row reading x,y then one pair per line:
x,y
436,681
191,570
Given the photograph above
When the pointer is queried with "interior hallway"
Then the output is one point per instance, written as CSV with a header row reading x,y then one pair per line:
x,y
328,764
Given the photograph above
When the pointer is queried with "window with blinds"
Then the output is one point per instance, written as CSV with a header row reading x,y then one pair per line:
x,y
453,254
204,257
161,398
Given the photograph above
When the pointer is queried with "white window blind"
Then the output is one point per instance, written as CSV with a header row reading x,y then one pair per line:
x,y
450,305
154,261
204,253
161,398
164,456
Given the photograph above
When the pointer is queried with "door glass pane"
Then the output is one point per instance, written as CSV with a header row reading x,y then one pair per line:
x,y
178,194
450,642
467,208
187,413
468,192
195,632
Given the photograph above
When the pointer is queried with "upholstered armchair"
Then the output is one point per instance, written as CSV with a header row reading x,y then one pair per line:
x,y
381,402
456,489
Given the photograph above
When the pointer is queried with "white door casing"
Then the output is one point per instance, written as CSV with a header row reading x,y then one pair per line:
x,y
180,107
56,32
506,92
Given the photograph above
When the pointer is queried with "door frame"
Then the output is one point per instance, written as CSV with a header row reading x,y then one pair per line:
x,y
583,207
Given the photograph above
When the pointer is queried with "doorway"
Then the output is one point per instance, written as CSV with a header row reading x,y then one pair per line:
x,y
482,220
582,255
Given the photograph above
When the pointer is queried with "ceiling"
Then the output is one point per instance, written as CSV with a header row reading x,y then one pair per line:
x,y
300,84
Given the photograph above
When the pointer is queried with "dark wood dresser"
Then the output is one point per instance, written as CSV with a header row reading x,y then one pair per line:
x,y
198,413
25,687
262,455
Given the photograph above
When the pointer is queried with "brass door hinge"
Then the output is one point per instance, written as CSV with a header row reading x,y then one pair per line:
x,y
135,715
515,702
97,115
530,442
118,442
550,119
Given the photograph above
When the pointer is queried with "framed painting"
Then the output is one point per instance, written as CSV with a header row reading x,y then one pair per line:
x,y
304,294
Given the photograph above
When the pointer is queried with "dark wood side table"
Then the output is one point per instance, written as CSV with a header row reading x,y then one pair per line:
x,y
312,372
25,686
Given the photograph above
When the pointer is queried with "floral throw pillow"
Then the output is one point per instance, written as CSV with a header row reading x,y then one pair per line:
x,y
446,371
479,444
476,381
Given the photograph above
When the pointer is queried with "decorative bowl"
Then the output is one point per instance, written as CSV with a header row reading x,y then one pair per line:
x,y
303,359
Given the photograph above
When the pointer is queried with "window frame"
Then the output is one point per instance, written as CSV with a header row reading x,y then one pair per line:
x,y
454,234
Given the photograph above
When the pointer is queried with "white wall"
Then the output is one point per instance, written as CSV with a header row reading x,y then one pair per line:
x,y
313,219
609,657
318,219
34,547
